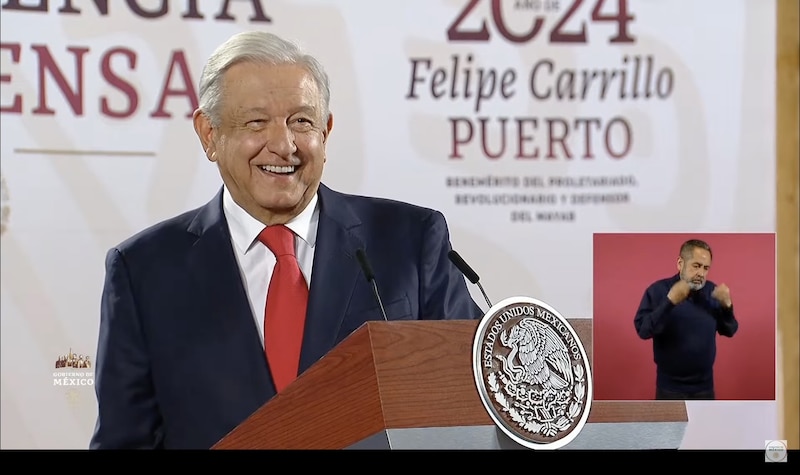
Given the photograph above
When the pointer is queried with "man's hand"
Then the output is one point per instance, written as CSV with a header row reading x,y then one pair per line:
x,y
723,294
679,291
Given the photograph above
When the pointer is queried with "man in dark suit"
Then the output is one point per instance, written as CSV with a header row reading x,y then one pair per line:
x,y
683,314
181,354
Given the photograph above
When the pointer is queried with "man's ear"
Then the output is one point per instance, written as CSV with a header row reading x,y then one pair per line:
x,y
680,263
328,128
205,132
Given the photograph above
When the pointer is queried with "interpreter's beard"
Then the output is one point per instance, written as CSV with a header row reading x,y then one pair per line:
x,y
695,284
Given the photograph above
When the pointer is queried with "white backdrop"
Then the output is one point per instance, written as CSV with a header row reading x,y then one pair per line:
x,y
97,144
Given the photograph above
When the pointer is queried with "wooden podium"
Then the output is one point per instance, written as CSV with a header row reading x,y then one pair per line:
x,y
409,385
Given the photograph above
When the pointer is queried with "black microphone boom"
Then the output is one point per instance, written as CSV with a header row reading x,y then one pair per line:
x,y
370,276
470,274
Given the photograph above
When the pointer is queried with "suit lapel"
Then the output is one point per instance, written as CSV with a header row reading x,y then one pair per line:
x,y
223,304
224,301
333,276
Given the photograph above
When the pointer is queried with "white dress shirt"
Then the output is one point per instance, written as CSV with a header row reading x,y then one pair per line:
x,y
256,261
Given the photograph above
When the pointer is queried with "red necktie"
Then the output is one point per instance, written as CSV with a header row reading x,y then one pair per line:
x,y
285,312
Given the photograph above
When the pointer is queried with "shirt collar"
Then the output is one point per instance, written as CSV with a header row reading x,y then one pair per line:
x,y
245,229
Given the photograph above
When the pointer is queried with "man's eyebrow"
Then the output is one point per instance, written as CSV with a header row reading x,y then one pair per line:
x,y
249,110
308,109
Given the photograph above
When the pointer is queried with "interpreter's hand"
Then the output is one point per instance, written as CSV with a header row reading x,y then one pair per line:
x,y
679,291
723,294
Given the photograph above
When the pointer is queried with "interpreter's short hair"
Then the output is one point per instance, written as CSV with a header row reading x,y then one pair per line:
x,y
688,247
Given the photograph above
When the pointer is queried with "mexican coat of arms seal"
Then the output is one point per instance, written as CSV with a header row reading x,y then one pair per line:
x,y
532,373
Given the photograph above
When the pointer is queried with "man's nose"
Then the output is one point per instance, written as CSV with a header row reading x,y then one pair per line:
x,y
281,140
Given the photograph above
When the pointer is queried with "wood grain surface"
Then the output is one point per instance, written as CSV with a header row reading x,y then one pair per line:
x,y
403,374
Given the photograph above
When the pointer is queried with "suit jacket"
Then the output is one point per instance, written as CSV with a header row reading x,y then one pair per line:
x,y
179,360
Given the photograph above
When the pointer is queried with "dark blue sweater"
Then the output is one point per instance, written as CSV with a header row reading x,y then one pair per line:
x,y
684,335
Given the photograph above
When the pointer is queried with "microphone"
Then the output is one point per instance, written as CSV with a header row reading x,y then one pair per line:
x,y
361,256
470,274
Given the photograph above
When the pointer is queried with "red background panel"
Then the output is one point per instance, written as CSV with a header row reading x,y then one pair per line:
x,y
626,264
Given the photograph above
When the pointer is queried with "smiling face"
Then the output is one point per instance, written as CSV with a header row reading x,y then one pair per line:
x,y
270,142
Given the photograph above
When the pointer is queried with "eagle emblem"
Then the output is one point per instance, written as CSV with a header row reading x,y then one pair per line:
x,y
543,357
532,373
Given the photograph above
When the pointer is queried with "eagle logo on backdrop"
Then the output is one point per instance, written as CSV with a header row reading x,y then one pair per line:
x,y
5,209
532,373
